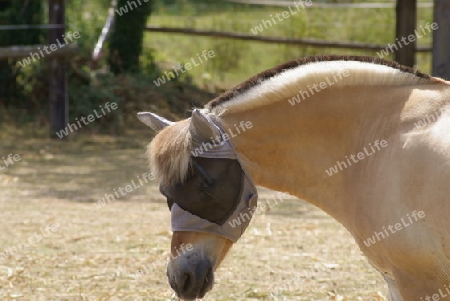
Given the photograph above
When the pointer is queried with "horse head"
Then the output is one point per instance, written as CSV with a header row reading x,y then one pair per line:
x,y
210,196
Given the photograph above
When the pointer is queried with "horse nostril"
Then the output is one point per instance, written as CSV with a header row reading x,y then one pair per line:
x,y
192,282
209,279
187,281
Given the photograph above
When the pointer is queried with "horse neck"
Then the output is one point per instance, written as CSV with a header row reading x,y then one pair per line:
x,y
289,148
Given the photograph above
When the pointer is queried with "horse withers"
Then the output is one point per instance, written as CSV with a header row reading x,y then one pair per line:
x,y
363,139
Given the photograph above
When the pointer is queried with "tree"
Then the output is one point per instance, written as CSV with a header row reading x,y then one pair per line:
x,y
126,40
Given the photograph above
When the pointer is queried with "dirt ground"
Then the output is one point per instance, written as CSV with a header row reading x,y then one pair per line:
x,y
293,252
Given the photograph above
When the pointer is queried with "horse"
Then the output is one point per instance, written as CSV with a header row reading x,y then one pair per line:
x,y
363,139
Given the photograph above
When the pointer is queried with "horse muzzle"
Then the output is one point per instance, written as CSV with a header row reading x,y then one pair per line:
x,y
192,281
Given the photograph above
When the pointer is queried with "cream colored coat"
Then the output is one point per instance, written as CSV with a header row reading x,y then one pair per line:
x,y
290,147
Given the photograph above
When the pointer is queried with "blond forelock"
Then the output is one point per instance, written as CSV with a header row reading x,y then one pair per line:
x,y
169,153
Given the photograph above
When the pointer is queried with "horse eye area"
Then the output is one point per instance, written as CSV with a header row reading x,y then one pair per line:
x,y
206,186
211,191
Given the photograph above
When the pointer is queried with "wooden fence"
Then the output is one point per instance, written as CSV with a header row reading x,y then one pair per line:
x,y
58,94
406,24
276,40
314,4
406,17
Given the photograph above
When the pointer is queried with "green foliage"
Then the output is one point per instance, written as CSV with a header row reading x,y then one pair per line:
x,y
238,60
21,12
88,18
84,99
17,13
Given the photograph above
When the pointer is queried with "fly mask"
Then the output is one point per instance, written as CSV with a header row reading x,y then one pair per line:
x,y
217,196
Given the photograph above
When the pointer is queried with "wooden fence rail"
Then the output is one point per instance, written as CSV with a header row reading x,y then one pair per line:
x,y
276,40
18,52
326,5
441,40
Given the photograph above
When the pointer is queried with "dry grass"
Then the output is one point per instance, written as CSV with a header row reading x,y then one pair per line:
x,y
294,251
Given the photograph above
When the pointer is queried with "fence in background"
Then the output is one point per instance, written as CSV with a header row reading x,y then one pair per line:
x,y
57,62
276,40
406,24
406,16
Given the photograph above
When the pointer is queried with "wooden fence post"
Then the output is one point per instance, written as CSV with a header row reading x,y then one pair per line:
x,y
58,96
441,39
406,11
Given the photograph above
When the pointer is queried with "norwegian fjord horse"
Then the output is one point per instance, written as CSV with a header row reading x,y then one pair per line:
x,y
313,128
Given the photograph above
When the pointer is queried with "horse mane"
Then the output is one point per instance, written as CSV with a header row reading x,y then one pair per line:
x,y
289,77
169,152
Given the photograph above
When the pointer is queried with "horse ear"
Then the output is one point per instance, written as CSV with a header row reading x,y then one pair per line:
x,y
154,121
201,128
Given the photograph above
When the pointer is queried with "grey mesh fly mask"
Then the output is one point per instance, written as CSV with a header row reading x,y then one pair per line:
x,y
217,196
